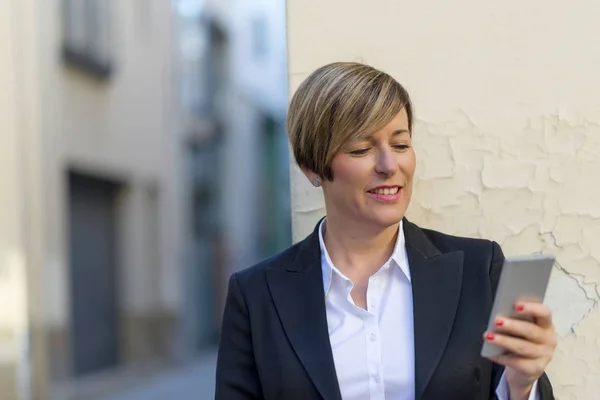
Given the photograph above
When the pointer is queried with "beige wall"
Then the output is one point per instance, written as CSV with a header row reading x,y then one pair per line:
x,y
507,134
13,323
20,226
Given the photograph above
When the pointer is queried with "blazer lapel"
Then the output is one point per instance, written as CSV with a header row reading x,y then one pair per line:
x,y
299,298
436,284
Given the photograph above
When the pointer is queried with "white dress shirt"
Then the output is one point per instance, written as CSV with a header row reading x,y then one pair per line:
x,y
373,350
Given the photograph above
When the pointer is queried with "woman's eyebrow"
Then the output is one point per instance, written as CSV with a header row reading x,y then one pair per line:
x,y
369,136
400,131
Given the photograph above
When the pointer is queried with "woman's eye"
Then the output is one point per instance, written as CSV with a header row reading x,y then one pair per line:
x,y
401,146
359,152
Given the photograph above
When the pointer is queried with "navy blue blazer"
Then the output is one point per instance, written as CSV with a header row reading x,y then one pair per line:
x,y
275,343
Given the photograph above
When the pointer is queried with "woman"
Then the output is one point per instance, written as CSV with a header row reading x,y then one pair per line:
x,y
370,306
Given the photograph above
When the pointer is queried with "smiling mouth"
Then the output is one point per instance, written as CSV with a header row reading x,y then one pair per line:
x,y
385,191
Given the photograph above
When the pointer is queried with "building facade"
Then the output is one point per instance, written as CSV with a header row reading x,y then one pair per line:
x,y
506,135
92,194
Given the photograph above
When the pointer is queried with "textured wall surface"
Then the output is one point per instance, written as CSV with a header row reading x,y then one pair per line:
x,y
507,134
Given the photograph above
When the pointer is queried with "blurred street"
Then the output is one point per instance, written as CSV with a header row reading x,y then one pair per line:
x,y
124,127
194,382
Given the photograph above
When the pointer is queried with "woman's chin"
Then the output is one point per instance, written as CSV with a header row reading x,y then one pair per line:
x,y
386,220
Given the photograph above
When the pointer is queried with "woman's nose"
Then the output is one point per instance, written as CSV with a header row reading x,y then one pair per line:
x,y
386,163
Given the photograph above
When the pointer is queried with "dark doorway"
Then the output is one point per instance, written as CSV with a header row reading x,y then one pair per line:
x,y
93,222
207,263
274,224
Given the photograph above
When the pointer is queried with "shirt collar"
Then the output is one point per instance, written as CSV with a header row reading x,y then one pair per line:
x,y
398,257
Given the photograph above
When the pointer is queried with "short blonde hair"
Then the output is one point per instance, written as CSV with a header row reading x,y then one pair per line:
x,y
338,103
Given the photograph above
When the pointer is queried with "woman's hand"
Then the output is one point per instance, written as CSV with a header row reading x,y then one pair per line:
x,y
530,346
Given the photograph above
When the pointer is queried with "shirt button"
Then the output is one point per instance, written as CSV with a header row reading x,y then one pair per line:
x,y
376,378
373,337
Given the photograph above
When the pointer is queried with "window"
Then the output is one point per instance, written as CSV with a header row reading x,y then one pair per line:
x,y
86,36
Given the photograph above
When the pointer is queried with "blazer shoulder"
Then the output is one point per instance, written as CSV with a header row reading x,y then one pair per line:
x,y
478,252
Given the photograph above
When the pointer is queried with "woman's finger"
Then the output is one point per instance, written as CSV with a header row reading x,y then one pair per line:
x,y
523,329
517,346
541,313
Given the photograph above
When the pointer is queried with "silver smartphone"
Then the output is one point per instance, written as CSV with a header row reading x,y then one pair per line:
x,y
522,279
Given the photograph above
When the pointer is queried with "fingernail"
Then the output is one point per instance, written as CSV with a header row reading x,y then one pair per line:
x,y
520,307
489,336
499,322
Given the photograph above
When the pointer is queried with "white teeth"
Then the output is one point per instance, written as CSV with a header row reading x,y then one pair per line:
x,y
386,191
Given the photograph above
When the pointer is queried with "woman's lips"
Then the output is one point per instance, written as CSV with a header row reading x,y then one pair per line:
x,y
387,194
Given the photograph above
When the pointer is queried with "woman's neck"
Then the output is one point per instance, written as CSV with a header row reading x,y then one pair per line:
x,y
358,249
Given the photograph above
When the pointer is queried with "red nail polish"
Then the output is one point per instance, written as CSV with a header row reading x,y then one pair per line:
x,y
499,322
489,336
520,307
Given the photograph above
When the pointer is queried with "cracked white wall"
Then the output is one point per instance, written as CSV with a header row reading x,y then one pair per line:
x,y
507,134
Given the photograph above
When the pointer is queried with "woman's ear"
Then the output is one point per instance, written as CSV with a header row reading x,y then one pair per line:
x,y
313,178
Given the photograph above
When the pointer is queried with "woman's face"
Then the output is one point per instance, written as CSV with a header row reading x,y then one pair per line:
x,y
373,177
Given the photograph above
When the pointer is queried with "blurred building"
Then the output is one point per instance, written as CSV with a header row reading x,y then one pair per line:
x,y
96,165
233,94
143,158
